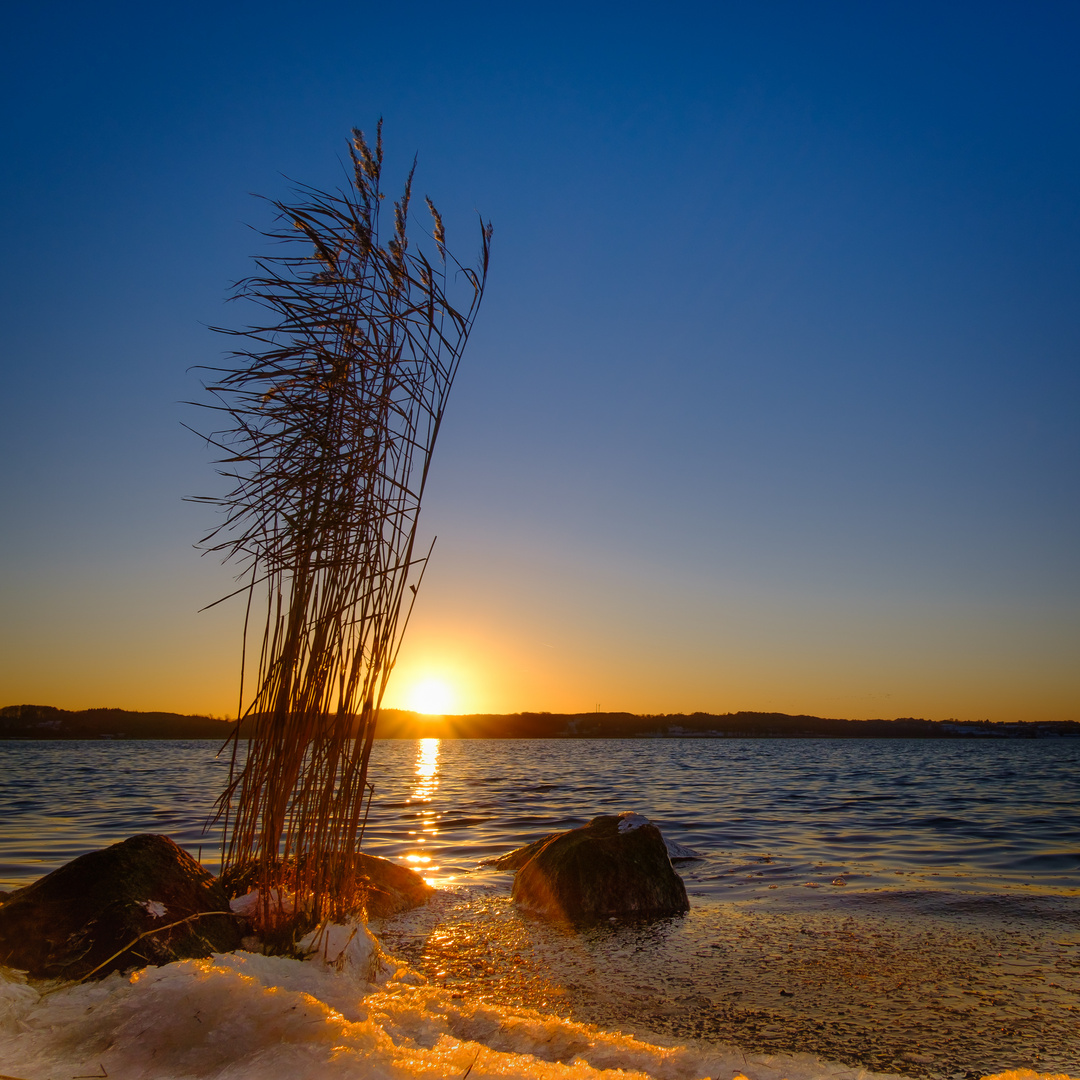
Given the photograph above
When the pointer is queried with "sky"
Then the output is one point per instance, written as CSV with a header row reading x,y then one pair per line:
x,y
772,402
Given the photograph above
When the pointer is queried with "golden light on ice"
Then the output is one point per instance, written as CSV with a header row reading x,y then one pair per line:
x,y
432,696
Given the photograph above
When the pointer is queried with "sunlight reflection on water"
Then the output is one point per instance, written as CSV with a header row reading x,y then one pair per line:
x,y
427,769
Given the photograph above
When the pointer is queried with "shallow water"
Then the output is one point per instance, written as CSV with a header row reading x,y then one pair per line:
x,y
951,948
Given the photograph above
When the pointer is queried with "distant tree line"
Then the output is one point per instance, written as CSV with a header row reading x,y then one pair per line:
x,y
48,722
623,725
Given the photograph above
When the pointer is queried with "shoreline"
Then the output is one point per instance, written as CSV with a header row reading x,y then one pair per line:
x,y
861,980
759,962
802,995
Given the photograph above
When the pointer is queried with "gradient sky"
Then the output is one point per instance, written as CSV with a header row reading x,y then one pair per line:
x,y
772,403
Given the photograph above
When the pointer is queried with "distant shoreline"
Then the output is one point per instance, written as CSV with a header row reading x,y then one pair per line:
x,y
26,722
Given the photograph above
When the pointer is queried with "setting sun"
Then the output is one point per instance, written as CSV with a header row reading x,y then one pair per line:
x,y
433,696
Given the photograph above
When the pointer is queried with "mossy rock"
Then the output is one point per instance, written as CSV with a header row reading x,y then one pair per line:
x,y
140,902
615,866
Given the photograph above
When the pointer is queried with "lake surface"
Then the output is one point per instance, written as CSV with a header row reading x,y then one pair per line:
x,y
904,905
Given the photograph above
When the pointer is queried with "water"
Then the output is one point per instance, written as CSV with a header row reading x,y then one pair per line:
x,y
973,815
60,799
967,814
905,906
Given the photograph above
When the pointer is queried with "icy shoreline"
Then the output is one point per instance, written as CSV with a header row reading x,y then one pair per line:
x,y
349,1011
945,967
242,1015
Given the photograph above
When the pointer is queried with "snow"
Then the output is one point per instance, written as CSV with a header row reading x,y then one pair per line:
x,y
346,1011
247,906
630,821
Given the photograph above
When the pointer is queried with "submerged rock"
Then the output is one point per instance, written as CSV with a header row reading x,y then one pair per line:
x,y
617,865
114,909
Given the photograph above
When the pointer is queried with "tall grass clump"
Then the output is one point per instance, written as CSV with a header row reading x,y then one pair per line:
x,y
332,404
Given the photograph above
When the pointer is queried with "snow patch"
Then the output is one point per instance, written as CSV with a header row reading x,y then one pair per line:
x,y
243,1016
16,999
351,949
248,905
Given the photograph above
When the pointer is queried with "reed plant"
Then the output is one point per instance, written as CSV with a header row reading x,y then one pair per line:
x,y
332,403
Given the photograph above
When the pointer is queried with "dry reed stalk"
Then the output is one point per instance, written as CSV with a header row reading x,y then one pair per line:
x,y
333,409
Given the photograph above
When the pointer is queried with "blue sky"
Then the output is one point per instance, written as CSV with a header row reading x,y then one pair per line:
x,y
772,402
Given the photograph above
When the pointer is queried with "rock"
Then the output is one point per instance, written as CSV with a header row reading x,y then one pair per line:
x,y
388,887
391,888
514,860
617,865
89,917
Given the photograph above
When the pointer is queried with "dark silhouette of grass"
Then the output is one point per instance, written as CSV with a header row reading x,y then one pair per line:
x,y
332,408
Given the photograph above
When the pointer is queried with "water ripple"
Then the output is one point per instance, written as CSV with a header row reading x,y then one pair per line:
x,y
985,815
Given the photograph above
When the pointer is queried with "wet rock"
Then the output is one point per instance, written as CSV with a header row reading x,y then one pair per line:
x,y
388,888
617,865
516,859
115,909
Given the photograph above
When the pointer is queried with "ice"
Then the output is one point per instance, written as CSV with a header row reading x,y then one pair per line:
x,y
244,1016
353,951
1027,1074
247,906
680,851
348,1011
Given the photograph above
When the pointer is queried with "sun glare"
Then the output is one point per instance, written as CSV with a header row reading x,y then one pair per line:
x,y
432,696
